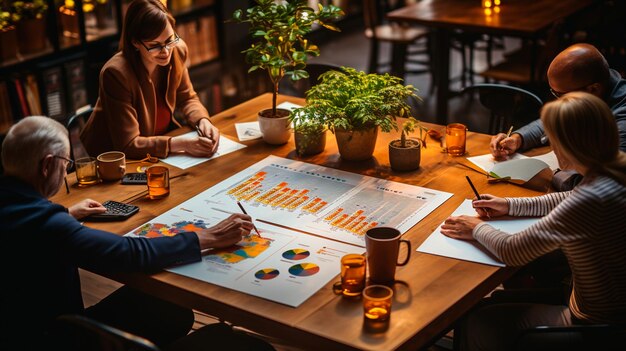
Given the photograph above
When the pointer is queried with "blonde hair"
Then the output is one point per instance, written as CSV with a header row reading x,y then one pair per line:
x,y
583,127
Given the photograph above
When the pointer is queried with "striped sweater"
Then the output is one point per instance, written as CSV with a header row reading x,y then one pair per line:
x,y
588,224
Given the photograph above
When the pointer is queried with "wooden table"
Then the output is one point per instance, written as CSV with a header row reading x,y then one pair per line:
x,y
518,18
438,290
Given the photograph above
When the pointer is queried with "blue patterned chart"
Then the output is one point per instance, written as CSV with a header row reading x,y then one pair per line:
x,y
267,274
304,269
296,254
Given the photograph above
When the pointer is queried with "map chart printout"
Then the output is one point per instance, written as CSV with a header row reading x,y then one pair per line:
x,y
323,201
282,266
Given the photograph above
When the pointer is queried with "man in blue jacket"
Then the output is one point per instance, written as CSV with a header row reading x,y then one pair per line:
x,y
580,67
43,245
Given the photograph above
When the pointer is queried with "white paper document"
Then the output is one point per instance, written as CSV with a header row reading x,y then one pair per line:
x,y
516,166
441,245
248,131
309,216
184,161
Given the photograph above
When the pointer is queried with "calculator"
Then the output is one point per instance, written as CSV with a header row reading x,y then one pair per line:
x,y
135,178
116,211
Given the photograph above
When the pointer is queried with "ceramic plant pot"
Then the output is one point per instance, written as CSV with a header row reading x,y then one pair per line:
x,y
276,130
356,145
310,143
405,158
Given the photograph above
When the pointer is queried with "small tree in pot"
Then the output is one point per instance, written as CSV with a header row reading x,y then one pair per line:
x,y
278,28
404,153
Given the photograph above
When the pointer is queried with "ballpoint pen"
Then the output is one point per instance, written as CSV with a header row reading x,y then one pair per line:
x,y
244,212
476,193
508,134
199,131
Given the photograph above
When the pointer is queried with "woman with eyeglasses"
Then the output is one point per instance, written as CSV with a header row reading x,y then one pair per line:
x,y
141,86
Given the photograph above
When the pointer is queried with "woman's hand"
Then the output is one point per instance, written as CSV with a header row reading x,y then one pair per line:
x,y
491,206
460,227
210,131
86,208
226,233
502,146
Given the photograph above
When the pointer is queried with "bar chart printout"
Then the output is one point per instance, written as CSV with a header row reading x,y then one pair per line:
x,y
323,201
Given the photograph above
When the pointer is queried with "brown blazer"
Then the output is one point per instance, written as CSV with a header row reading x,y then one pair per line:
x,y
124,117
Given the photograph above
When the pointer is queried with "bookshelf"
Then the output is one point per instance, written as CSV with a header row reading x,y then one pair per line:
x,y
73,39
76,41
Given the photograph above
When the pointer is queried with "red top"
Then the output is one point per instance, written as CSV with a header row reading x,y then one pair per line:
x,y
163,117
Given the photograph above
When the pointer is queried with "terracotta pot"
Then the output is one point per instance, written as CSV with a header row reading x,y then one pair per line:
x,y
33,35
405,158
310,143
356,145
69,22
276,130
8,43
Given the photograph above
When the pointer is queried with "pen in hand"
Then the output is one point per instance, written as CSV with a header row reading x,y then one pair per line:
x,y
244,212
199,131
476,193
508,134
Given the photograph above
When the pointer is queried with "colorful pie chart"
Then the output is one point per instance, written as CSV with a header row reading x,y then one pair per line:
x,y
296,254
267,274
304,269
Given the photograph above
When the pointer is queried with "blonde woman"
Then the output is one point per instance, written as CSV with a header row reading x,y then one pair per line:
x,y
587,224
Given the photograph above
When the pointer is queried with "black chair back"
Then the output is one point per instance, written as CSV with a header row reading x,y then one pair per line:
x,y
75,125
509,106
76,332
299,88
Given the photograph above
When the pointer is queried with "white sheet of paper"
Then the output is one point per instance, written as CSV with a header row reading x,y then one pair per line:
x,y
248,131
184,161
486,162
288,105
441,245
523,169
550,159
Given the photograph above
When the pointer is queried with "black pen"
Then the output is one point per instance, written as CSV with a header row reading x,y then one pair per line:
x,y
199,131
244,212
476,193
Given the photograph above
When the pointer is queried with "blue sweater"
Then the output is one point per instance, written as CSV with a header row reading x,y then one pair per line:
x,y
42,248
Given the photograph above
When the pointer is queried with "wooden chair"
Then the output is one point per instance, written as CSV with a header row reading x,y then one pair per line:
x,y
528,66
573,338
509,106
410,45
82,333
75,124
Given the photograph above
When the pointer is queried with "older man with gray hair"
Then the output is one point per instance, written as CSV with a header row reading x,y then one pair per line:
x,y
44,244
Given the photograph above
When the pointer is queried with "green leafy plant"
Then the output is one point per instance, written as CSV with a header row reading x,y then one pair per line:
x,y
35,9
278,29
354,100
7,20
409,126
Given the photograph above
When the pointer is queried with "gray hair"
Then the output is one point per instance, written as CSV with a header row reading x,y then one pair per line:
x,y
29,141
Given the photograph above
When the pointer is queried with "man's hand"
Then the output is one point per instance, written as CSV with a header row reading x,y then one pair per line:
x,y
86,208
502,146
226,233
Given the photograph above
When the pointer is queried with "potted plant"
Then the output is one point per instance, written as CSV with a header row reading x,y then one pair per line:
x,y
356,104
31,25
404,153
278,29
309,131
8,36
